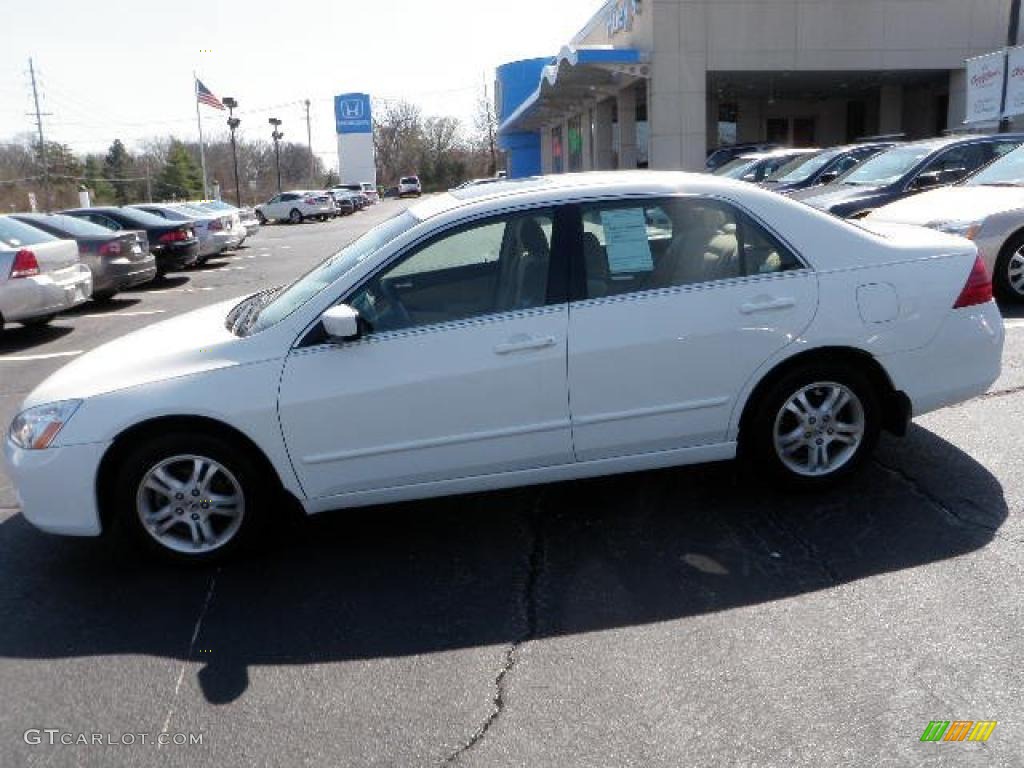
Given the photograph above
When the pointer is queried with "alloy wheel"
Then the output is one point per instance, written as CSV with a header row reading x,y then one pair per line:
x,y
819,429
190,504
1015,272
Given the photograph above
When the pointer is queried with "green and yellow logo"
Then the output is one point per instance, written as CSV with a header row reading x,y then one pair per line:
x,y
959,730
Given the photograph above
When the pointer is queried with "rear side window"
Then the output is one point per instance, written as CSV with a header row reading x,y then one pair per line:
x,y
630,247
69,225
15,234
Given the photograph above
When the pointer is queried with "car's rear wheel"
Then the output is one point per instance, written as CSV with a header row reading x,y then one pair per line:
x,y
190,497
814,426
295,217
1009,270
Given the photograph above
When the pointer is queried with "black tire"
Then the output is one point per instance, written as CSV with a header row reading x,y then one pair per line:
x,y
261,219
128,495
295,216
35,322
1011,256
769,416
102,297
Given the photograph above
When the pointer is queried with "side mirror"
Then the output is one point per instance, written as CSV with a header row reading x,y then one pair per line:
x,y
926,180
341,323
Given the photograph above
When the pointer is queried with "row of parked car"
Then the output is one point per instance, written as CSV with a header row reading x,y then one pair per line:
x,y
298,205
972,186
51,262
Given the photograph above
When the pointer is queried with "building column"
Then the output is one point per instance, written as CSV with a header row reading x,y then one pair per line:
x,y
603,135
545,149
586,126
626,101
890,113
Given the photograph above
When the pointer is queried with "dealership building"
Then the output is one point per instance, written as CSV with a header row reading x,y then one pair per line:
x,y
657,83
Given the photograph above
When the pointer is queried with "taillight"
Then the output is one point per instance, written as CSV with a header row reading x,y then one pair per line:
x,y
25,264
111,249
978,289
176,236
310,201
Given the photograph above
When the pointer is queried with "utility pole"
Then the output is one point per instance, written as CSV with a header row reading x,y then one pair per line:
x,y
277,136
233,123
42,142
309,140
490,128
1013,28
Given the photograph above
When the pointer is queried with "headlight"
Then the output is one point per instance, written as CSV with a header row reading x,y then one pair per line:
x,y
966,229
37,427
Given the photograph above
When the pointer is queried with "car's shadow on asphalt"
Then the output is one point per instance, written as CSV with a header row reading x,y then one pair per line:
x,y
102,307
161,283
19,338
1011,309
496,569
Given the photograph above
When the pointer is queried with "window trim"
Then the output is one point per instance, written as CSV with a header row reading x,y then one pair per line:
x,y
578,272
558,278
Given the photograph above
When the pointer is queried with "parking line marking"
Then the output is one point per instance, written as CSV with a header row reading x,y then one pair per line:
x,y
127,314
1012,324
28,358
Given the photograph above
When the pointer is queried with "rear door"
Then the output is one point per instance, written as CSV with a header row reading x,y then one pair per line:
x,y
684,298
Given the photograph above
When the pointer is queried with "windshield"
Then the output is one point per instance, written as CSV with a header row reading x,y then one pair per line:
x,y
736,169
888,167
281,304
802,167
1007,171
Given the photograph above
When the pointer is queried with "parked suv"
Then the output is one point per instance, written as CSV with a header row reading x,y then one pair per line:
x,y
409,185
297,206
905,170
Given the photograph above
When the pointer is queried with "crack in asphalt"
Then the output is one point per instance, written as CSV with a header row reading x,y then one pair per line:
x,y
919,490
811,552
528,607
994,394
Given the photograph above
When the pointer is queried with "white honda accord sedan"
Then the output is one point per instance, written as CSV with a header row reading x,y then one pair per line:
x,y
516,333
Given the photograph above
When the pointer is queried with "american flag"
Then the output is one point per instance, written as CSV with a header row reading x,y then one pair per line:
x,y
206,96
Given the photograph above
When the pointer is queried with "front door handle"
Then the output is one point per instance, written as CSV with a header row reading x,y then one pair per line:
x,y
766,304
525,344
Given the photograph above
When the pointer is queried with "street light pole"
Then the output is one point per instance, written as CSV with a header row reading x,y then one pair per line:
x,y
277,136
309,140
233,123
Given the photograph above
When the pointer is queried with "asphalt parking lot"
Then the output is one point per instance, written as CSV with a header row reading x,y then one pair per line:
x,y
672,618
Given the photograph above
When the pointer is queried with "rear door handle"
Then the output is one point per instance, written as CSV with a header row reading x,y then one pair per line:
x,y
766,305
525,344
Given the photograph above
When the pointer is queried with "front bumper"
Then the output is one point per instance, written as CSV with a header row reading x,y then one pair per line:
x,y
56,488
46,294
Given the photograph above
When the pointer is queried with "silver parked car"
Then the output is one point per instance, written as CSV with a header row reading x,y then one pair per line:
x,y
246,216
40,275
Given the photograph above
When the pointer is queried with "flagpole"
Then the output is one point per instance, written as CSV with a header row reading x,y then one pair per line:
x,y
199,121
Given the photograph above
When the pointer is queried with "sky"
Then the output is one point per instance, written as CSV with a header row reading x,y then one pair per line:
x,y
123,68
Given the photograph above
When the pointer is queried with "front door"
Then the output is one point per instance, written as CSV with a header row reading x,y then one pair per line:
x,y
460,372
685,298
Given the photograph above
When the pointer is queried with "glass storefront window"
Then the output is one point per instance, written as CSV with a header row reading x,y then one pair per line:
x,y
575,144
557,150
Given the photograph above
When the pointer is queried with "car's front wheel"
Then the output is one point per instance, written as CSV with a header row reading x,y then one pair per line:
x,y
814,426
261,218
190,497
1009,270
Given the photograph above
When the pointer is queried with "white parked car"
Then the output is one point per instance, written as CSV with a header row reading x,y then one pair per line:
x,y
370,190
987,208
410,185
40,275
297,206
511,334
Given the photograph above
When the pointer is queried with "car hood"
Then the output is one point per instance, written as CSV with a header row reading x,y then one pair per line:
x,y
189,344
952,204
829,195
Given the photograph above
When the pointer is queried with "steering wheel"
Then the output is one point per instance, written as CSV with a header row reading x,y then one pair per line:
x,y
389,293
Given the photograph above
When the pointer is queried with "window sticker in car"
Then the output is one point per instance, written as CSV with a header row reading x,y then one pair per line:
x,y
625,232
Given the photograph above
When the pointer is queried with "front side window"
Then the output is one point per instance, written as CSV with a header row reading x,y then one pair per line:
x,y
500,265
631,247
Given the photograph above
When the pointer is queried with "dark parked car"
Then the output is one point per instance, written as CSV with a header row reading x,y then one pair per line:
x,y
905,170
719,157
821,168
173,243
117,260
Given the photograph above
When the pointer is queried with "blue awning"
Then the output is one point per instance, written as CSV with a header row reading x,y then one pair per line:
x,y
576,76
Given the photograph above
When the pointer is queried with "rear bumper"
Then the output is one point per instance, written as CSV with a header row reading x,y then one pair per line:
x,y
56,488
170,258
123,274
961,362
29,297
218,242
251,228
